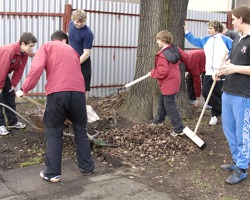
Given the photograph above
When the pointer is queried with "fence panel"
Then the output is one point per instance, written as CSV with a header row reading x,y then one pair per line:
x,y
115,26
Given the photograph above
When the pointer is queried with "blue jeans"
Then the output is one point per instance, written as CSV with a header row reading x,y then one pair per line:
x,y
59,107
236,127
8,98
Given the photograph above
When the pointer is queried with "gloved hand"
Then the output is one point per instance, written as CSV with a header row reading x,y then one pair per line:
x,y
12,88
19,93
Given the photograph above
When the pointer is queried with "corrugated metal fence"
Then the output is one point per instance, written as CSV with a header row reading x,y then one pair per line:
x,y
115,26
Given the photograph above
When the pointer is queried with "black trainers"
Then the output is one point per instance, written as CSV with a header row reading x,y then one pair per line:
x,y
53,179
87,173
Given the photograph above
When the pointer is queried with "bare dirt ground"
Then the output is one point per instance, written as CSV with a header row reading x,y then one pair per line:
x,y
169,164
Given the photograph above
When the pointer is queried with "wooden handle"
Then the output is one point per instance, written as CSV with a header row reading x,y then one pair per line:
x,y
42,107
208,97
136,81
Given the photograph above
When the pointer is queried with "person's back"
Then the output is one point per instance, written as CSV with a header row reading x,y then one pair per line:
x,y
62,65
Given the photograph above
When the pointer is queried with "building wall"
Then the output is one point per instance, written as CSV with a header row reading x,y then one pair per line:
x,y
242,2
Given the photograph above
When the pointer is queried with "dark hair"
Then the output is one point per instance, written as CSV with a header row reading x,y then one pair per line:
x,y
27,38
243,12
59,35
216,25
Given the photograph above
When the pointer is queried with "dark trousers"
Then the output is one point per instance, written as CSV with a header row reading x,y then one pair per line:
x,y
86,72
215,99
190,88
8,98
167,106
59,107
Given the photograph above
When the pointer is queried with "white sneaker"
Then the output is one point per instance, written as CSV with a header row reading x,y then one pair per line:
x,y
3,130
213,121
18,125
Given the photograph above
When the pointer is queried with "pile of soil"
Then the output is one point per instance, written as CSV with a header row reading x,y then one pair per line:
x,y
168,164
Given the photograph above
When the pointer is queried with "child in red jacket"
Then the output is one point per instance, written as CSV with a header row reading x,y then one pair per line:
x,y
167,72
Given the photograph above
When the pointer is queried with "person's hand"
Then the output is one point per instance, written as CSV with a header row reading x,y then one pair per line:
x,y
197,102
216,76
227,68
12,88
1,91
19,93
149,73
185,26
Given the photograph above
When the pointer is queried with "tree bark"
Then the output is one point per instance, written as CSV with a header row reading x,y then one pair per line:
x,y
142,101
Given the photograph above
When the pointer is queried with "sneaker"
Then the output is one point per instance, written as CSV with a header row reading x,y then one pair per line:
x,y
229,167
156,122
192,102
87,173
18,125
3,130
54,179
237,176
208,107
174,134
213,121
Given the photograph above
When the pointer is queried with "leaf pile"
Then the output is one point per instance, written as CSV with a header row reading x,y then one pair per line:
x,y
137,143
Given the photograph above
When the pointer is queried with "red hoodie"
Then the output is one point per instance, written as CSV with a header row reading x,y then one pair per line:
x,y
168,74
62,65
12,60
196,67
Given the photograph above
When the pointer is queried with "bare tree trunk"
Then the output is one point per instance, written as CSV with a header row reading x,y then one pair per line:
x,y
157,15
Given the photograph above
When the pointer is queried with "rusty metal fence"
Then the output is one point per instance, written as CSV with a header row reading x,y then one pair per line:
x,y
115,26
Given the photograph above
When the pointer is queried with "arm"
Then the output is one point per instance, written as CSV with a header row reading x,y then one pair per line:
x,y
85,55
37,66
18,72
161,70
229,68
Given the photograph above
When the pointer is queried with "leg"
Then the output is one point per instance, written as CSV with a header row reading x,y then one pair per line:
x,y
86,72
78,116
9,100
173,113
161,113
190,88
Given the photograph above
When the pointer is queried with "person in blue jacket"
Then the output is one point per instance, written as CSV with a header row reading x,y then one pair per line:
x,y
215,45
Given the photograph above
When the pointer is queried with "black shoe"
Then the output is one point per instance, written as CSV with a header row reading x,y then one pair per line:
x,y
85,173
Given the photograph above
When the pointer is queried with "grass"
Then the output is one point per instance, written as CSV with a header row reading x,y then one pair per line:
x,y
31,161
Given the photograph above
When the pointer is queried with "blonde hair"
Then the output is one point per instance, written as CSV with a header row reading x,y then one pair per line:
x,y
79,15
165,36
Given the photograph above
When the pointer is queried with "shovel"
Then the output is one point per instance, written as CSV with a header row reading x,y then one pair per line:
x,y
93,117
187,131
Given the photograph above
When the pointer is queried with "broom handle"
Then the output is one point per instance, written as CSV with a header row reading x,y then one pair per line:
x,y
208,97
42,107
136,80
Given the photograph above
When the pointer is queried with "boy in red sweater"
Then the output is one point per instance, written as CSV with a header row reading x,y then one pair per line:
x,y
167,72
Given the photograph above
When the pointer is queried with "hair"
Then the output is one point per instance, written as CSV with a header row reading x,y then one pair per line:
x,y
216,25
79,15
243,12
59,35
165,36
27,38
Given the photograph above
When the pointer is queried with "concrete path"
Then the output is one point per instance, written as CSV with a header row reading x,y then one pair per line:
x,y
105,184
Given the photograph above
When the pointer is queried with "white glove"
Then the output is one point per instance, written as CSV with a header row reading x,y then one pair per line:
x,y
12,88
19,93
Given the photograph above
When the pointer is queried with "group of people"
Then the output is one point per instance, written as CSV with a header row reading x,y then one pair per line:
x,y
68,75
230,99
